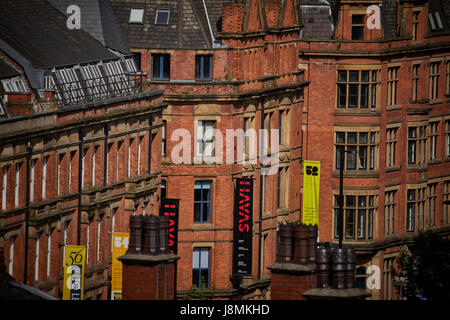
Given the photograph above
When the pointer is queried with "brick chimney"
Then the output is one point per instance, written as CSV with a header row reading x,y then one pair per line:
x,y
148,266
304,270
294,271
233,17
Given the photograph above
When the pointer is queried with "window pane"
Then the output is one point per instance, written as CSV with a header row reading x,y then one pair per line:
x,y
351,158
363,137
342,95
362,201
339,152
166,66
340,137
196,259
350,223
357,19
361,224
162,16
205,212
342,76
204,258
374,96
362,158
353,76
197,194
336,222
357,33
364,76
353,96
364,99
411,152
351,138
156,66
350,201
197,212
207,67
208,149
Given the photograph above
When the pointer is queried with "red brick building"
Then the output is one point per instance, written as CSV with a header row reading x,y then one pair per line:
x,y
223,66
80,145
366,79
384,93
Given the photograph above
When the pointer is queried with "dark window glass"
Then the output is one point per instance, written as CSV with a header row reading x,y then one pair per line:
x,y
162,16
202,201
161,66
203,67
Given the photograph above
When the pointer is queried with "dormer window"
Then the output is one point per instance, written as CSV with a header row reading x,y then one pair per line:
x,y
435,21
358,27
136,15
14,85
162,16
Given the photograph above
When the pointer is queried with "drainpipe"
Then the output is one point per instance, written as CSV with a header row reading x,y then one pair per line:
x,y
27,210
105,155
261,144
150,126
80,187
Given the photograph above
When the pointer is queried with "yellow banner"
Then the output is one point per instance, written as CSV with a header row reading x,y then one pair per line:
x,y
74,272
311,181
119,248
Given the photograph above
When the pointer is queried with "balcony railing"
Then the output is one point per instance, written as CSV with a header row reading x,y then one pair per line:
x,y
98,88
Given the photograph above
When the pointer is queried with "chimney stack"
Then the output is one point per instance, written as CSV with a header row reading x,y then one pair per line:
x,y
148,266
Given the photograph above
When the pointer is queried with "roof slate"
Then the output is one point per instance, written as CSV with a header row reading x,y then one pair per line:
x,y
38,32
99,20
187,27
6,70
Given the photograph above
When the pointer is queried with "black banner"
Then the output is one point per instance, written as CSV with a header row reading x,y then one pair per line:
x,y
243,227
170,208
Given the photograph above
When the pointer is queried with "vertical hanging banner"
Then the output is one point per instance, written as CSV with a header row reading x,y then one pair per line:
x,y
74,272
120,242
243,227
311,181
170,208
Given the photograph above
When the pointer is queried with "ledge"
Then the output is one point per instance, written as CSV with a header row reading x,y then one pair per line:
x,y
332,294
292,268
147,260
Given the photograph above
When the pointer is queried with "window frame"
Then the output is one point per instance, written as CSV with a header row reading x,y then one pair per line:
x,y
415,208
203,141
389,211
391,146
432,137
205,250
141,15
415,81
419,141
392,85
360,26
345,85
163,73
162,10
371,146
446,197
201,74
433,78
415,24
368,210
208,202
